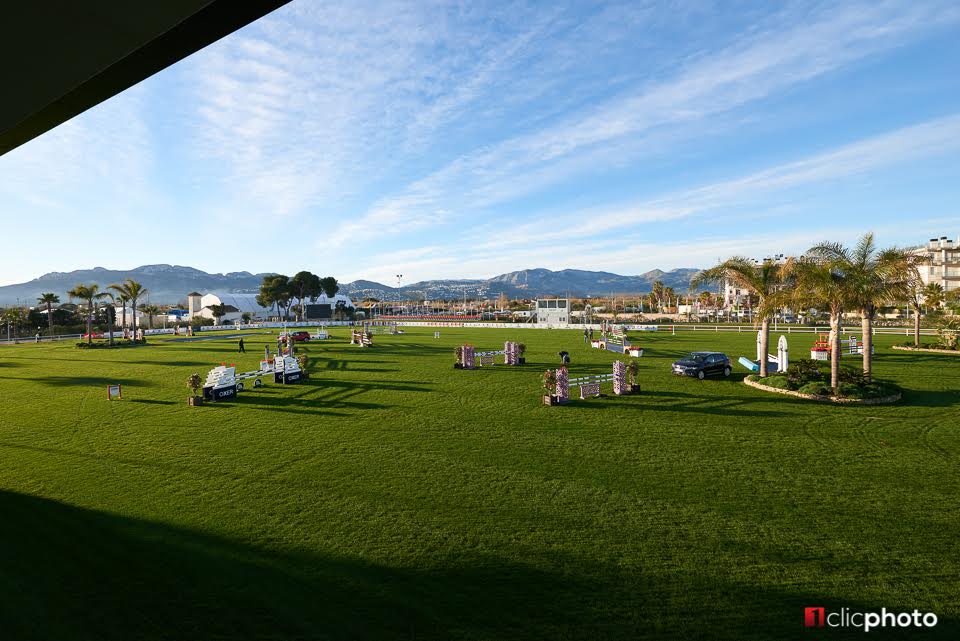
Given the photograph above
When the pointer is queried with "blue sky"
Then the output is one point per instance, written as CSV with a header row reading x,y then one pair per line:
x,y
445,140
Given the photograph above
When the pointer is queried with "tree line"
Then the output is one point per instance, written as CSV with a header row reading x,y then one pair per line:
x,y
283,292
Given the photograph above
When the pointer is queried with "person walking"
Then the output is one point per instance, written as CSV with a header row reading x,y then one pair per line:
x,y
591,333
242,348
586,334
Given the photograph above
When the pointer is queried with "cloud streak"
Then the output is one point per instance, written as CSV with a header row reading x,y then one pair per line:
x,y
757,66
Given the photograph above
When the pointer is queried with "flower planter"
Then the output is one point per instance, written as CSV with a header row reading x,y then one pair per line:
x,y
634,389
549,400
457,366
195,401
522,361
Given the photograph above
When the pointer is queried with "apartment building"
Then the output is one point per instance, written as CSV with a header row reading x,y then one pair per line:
x,y
942,263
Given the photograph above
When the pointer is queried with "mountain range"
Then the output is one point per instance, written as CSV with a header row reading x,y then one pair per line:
x,y
170,284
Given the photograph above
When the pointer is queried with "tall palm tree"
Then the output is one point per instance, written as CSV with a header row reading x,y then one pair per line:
x,y
873,277
89,294
111,316
766,280
49,299
133,291
657,293
123,300
818,282
150,311
933,295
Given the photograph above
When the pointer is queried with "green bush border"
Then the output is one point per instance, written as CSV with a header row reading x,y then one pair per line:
x,y
883,400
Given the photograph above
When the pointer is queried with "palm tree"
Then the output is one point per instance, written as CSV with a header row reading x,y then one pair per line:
x,y
818,282
133,291
668,294
89,294
933,295
123,309
48,299
111,316
873,276
657,293
766,280
150,311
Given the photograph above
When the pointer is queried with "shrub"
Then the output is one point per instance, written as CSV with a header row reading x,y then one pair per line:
x,y
194,382
852,376
779,382
817,388
851,390
550,382
803,371
458,354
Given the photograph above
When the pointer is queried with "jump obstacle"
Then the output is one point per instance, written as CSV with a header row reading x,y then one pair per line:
x,y
849,347
469,357
778,363
590,386
361,337
223,382
614,339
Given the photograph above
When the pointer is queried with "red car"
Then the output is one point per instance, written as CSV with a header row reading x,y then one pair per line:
x,y
297,336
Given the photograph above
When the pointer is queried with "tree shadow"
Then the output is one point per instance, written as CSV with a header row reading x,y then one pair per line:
x,y
80,574
336,364
930,398
82,381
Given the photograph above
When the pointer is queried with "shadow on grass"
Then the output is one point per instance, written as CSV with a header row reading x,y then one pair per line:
x,y
320,396
147,401
930,398
79,574
82,381
336,364
206,364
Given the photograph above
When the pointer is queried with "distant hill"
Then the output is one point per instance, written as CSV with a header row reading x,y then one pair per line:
x,y
529,283
169,284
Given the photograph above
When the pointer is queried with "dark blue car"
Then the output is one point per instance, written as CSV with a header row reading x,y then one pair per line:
x,y
703,364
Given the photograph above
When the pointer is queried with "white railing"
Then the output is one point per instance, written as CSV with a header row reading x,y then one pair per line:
x,y
671,328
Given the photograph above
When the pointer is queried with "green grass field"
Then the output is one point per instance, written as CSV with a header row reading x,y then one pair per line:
x,y
393,497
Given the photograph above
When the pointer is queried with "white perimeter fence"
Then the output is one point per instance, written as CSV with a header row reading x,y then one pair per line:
x,y
852,328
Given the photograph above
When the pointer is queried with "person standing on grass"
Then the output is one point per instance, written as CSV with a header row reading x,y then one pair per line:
x,y
586,334
240,344
591,333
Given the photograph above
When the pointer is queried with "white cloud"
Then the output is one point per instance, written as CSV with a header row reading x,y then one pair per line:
x,y
751,69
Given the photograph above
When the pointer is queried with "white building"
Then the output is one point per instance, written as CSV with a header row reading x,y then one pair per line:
x,y
942,264
553,310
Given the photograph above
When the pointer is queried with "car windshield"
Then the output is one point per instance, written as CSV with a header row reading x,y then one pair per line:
x,y
697,357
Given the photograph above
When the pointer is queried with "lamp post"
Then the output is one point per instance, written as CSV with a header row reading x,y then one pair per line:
x,y
399,299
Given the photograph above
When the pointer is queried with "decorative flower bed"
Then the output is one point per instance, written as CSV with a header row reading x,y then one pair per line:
x,y
888,395
810,379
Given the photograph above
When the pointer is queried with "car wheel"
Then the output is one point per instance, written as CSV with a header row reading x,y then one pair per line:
x,y
239,387
726,371
700,375
258,383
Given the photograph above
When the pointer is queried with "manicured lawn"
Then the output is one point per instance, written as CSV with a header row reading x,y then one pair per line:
x,y
393,497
